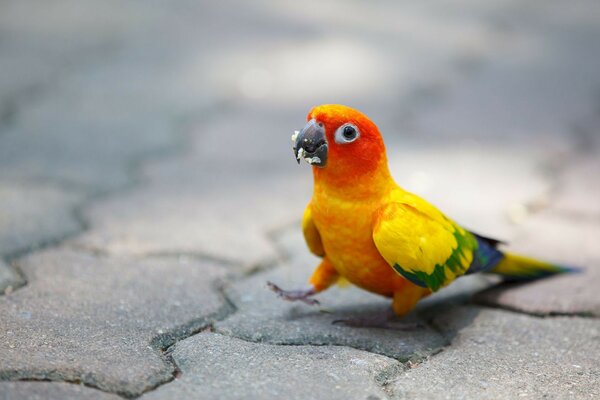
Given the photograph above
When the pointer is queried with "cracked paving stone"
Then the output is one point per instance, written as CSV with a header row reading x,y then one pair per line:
x,y
262,317
102,321
498,354
215,366
50,390
565,241
34,213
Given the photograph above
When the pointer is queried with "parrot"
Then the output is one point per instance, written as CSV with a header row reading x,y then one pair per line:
x,y
369,231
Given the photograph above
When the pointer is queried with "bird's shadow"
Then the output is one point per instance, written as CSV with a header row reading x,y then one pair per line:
x,y
377,316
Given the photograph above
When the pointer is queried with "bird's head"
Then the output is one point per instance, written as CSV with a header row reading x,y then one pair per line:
x,y
341,141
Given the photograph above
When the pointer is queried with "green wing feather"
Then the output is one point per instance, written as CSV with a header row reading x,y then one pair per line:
x,y
424,247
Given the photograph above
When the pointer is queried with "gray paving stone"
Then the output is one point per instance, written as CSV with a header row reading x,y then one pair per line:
x,y
578,192
215,200
487,192
62,120
554,237
263,317
217,366
89,113
67,138
498,354
42,43
371,37
102,321
566,241
575,294
9,279
34,213
534,87
50,390
231,225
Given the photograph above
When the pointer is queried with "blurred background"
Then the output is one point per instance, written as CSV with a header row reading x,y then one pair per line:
x,y
164,127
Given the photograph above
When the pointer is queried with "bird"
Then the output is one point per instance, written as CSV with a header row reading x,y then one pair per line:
x,y
371,232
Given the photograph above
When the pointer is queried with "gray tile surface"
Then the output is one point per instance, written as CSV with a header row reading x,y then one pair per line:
x,y
497,354
567,241
104,321
145,161
267,371
263,317
50,390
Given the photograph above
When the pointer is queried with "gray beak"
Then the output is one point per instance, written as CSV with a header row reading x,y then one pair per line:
x,y
310,144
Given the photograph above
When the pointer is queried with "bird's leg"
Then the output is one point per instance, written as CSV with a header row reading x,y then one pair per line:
x,y
303,295
323,277
407,297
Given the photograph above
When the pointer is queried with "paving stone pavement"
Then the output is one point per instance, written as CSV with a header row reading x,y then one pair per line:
x,y
38,213
268,371
104,322
50,390
500,354
545,235
148,192
263,317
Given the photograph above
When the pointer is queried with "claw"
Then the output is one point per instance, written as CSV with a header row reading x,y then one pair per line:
x,y
295,295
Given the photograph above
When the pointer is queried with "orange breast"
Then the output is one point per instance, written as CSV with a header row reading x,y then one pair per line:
x,y
346,233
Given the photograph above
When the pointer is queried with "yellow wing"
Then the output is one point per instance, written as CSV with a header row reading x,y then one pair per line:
x,y
311,233
423,246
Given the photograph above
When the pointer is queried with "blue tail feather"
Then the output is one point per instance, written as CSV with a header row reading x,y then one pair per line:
x,y
486,257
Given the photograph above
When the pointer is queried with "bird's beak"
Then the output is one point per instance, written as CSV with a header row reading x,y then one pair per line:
x,y
310,144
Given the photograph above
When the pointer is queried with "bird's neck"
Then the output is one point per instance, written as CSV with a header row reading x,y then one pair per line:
x,y
351,183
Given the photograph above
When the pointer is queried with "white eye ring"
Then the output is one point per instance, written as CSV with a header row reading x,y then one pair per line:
x,y
346,133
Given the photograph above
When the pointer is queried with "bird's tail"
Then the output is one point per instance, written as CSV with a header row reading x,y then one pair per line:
x,y
514,267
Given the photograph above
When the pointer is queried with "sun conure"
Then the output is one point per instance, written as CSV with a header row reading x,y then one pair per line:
x,y
375,234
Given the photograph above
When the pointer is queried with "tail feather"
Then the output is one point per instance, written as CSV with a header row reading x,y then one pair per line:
x,y
514,267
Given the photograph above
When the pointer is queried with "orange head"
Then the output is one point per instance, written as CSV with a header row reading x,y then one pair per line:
x,y
341,144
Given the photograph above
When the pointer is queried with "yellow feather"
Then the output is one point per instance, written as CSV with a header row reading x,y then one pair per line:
x,y
311,233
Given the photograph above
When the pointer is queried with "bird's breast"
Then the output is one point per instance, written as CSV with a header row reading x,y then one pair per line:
x,y
346,233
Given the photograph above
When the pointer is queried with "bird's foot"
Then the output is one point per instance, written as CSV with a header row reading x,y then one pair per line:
x,y
383,321
303,295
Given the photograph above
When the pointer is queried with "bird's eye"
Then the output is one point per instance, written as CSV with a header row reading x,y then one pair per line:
x,y
346,133
349,132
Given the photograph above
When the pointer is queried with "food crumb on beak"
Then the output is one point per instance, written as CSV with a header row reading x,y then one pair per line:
x,y
300,153
312,160
295,136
